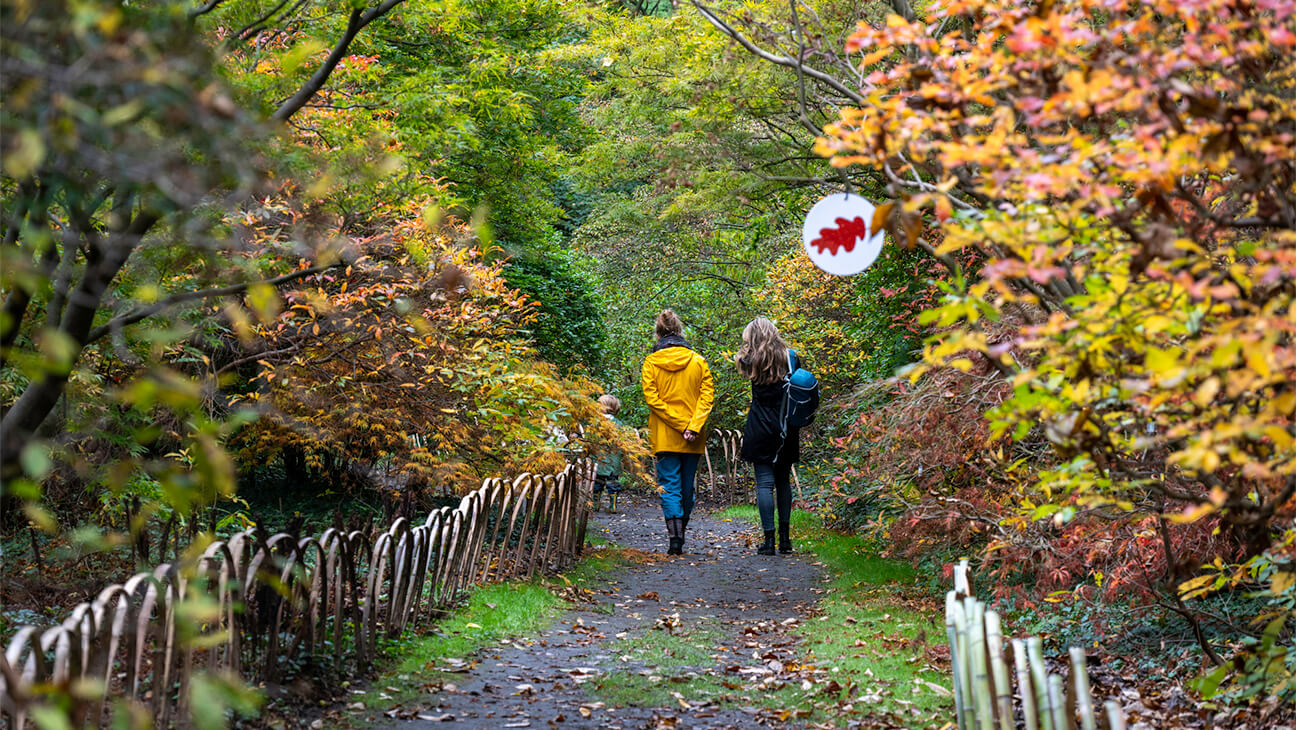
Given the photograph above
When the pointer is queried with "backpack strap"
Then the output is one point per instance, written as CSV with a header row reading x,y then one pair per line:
x,y
787,396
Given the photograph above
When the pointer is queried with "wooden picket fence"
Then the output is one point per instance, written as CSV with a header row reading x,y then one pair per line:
x,y
991,694
276,602
727,481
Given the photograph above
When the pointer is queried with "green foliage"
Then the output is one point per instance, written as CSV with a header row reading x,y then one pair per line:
x,y
700,168
1267,667
677,223
472,104
108,193
568,329
860,328
219,698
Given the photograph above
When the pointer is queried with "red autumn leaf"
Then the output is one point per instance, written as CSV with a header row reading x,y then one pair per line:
x,y
842,237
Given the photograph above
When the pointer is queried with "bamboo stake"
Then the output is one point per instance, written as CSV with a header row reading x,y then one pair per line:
x,y
999,670
977,668
1029,711
960,649
1057,706
1115,715
951,633
1084,701
1039,678
962,586
711,493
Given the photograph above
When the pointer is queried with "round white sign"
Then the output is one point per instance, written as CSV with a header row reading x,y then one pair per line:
x,y
837,237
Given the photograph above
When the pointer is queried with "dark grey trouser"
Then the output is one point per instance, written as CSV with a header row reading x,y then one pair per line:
x,y
774,480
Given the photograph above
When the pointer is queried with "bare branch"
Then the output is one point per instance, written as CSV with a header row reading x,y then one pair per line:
x,y
205,8
253,27
140,313
778,60
355,23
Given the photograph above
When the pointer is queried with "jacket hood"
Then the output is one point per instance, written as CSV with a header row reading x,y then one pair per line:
x,y
672,358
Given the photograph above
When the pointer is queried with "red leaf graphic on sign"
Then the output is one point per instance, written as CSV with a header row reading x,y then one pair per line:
x,y
843,237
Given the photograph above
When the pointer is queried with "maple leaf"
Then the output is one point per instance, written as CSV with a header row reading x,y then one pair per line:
x,y
843,237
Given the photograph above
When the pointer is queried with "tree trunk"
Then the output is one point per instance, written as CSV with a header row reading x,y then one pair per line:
x,y
34,405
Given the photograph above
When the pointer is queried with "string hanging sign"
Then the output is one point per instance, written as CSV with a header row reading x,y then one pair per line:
x,y
837,236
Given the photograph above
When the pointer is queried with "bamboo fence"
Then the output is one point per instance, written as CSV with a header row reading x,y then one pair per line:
x,y
270,604
992,694
727,483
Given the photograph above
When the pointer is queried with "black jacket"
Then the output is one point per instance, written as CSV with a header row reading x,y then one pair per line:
x,y
762,443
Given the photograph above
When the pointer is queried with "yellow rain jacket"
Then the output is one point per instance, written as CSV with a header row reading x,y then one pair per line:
x,y
678,390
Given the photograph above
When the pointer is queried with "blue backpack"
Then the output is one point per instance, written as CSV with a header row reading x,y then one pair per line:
x,y
800,395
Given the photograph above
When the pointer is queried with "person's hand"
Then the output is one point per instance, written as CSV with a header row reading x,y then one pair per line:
x,y
690,436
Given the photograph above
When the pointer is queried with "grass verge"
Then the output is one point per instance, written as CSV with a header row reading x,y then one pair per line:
x,y
662,665
417,665
879,635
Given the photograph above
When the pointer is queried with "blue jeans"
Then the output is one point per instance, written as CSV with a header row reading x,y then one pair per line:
x,y
676,474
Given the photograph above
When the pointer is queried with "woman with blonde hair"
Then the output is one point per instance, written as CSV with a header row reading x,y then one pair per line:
x,y
769,443
678,390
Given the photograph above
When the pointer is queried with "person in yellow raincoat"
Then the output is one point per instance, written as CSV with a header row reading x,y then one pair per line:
x,y
678,390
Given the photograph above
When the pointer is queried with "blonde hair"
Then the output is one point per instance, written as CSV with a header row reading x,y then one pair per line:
x,y
610,403
762,357
668,323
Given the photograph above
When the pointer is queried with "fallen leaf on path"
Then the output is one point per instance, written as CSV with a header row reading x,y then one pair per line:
x,y
668,623
943,692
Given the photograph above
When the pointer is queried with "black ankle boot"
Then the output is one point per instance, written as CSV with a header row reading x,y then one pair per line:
x,y
768,547
683,526
785,542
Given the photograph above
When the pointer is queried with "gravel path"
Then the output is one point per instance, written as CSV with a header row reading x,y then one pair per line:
x,y
666,638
